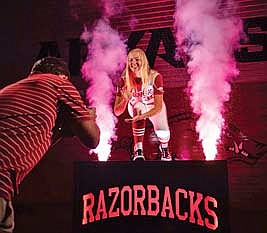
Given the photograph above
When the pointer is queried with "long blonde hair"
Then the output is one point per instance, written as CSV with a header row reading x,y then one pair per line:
x,y
145,70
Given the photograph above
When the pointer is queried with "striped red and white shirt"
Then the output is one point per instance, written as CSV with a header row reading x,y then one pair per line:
x,y
28,111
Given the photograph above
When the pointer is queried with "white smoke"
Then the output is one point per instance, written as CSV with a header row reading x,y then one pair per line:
x,y
106,57
208,33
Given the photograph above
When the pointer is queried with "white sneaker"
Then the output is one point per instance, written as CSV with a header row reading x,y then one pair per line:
x,y
165,154
138,155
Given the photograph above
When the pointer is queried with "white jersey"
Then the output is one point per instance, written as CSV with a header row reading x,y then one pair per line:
x,y
144,96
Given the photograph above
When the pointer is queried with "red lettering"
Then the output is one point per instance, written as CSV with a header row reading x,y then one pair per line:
x,y
177,204
101,207
207,200
153,200
112,213
139,200
132,200
167,204
88,208
130,208
195,208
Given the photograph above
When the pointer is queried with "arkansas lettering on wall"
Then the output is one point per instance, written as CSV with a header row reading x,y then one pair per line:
x,y
151,196
77,53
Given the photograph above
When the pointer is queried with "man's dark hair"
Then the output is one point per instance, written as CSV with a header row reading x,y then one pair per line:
x,y
51,65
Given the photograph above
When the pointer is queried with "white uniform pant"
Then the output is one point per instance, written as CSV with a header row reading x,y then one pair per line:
x,y
159,121
160,124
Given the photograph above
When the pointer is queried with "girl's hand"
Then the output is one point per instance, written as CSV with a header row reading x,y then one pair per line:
x,y
125,93
134,119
